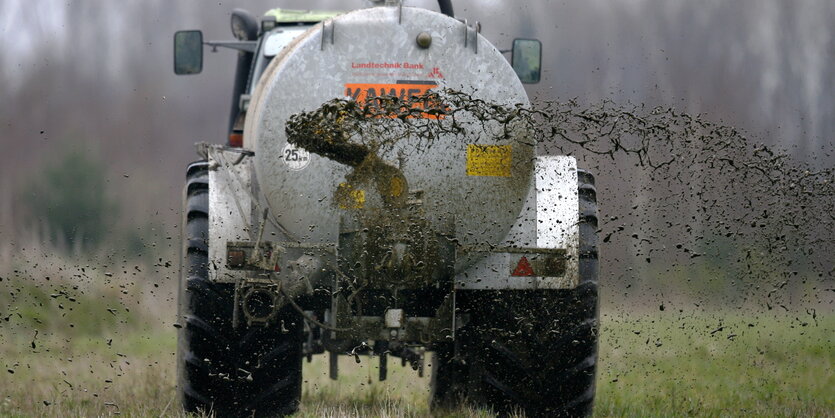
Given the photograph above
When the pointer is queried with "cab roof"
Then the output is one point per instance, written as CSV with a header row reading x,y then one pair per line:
x,y
301,16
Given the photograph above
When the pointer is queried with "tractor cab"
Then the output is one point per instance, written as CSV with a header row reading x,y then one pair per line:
x,y
257,45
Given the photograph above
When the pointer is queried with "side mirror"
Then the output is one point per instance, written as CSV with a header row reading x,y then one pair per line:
x,y
188,52
527,59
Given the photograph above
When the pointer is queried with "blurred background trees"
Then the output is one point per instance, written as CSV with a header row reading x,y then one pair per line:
x,y
70,201
103,72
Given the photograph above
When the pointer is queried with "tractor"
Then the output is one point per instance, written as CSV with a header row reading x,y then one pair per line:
x,y
468,244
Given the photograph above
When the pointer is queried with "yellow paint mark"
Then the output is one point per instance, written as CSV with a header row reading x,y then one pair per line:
x,y
349,198
489,160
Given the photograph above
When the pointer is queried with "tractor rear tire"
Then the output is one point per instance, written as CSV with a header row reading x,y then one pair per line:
x,y
528,350
225,370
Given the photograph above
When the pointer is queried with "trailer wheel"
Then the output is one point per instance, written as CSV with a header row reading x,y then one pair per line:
x,y
528,350
223,370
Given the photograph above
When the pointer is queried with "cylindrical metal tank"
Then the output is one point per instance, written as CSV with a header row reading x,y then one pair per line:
x,y
473,192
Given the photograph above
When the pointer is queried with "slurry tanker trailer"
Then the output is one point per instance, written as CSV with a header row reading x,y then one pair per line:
x,y
462,242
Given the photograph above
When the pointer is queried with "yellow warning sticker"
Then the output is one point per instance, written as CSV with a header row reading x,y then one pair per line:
x,y
489,160
347,197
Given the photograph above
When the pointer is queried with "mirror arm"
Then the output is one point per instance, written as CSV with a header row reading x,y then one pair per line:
x,y
246,46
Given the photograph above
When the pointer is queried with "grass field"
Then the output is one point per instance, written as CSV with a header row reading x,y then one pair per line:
x,y
649,367
70,347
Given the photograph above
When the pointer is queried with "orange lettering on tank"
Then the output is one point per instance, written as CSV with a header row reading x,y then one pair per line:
x,y
363,93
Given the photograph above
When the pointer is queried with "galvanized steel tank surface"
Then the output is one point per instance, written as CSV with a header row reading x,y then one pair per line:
x,y
362,52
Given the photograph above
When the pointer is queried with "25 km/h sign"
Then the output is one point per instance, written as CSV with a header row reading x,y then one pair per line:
x,y
296,158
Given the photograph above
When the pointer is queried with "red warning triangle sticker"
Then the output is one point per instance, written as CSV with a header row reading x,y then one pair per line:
x,y
523,268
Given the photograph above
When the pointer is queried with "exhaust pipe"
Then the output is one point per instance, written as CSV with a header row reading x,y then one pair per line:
x,y
446,7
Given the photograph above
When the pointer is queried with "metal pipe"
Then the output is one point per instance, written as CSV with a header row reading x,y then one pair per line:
x,y
259,304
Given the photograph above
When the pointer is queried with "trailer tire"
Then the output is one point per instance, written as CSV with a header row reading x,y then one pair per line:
x,y
224,370
528,350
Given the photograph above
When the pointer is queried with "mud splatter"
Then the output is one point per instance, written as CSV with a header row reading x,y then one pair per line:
x,y
712,196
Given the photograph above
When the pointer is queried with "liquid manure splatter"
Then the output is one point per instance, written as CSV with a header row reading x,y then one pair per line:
x,y
713,196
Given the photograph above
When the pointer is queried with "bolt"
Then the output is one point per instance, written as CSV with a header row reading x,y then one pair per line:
x,y
424,39
393,333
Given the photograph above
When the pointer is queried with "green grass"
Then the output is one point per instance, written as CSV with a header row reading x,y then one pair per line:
x,y
717,364
651,365
96,344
